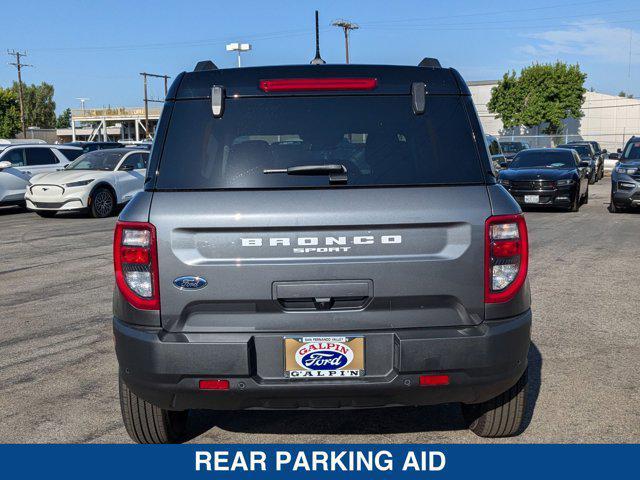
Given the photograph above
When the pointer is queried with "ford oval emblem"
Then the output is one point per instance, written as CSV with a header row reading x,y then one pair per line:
x,y
189,283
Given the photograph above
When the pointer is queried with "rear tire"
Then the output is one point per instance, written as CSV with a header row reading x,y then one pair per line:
x,y
501,416
46,213
103,203
146,423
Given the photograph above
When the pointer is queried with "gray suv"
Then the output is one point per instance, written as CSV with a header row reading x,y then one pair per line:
x,y
320,237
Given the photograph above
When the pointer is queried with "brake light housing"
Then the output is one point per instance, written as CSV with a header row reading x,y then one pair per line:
x,y
506,257
317,84
135,260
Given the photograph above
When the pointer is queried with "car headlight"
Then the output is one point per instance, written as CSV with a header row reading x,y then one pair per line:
x,y
504,181
627,170
81,183
564,182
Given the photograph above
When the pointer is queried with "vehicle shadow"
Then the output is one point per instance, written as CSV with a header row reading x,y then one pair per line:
x,y
12,210
352,422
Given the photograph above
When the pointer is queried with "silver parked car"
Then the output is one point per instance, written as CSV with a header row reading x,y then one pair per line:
x,y
19,162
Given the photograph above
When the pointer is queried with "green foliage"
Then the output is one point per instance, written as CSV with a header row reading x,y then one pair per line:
x,y
64,119
9,113
39,107
543,93
625,94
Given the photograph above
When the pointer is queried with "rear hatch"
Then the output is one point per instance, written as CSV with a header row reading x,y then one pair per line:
x,y
399,245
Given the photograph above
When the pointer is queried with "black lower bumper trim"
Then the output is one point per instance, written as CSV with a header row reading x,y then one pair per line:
x,y
481,361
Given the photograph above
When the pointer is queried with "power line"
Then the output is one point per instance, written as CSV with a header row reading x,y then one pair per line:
x,y
18,64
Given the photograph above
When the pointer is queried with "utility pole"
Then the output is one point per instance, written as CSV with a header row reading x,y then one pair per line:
x,y
147,99
18,64
346,26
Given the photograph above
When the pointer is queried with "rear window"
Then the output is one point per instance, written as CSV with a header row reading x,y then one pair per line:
x,y
581,149
378,139
70,154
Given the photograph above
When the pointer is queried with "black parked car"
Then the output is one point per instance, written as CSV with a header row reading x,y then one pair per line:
x,y
625,178
91,146
511,149
601,154
552,177
587,154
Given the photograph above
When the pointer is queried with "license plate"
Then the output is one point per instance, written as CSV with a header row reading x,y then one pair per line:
x,y
323,357
532,199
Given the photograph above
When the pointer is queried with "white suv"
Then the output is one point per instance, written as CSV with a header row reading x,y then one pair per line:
x,y
19,162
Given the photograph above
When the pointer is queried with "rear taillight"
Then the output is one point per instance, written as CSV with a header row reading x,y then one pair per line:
x,y
317,84
506,257
136,264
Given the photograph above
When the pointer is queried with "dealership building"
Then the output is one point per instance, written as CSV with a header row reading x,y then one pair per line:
x,y
608,119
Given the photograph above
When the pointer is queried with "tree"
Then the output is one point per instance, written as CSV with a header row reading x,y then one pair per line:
x,y
9,113
39,107
64,119
543,93
625,94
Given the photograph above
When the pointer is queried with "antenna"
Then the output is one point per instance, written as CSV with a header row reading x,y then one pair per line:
x,y
317,60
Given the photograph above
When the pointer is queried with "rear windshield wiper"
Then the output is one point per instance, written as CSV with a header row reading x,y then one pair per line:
x,y
337,173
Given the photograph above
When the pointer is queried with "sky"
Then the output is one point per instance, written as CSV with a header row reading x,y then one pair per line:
x,y
96,49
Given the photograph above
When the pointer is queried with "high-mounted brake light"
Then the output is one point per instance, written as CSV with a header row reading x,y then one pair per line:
x,y
317,84
506,257
135,261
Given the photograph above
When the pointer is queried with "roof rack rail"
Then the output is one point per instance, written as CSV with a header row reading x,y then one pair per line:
x,y
205,65
430,62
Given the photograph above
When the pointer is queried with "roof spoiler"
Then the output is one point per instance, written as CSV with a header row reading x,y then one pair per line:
x,y
205,65
430,62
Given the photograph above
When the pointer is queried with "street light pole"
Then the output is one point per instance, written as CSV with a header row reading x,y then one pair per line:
x,y
238,47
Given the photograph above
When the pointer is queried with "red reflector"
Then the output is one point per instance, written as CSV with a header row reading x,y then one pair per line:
x,y
214,384
433,380
317,84
505,248
134,255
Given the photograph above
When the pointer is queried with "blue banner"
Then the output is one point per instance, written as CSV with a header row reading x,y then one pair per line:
x,y
309,462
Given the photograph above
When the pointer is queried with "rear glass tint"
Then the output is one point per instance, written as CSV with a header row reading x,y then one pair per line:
x,y
378,139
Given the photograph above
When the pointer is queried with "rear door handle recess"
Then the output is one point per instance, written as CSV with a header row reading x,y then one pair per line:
x,y
323,295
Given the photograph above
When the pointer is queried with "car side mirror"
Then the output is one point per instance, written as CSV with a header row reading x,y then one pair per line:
x,y
584,163
619,150
604,151
126,168
4,165
504,164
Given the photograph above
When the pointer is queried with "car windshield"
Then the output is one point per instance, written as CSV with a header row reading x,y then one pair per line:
x,y
581,149
542,159
377,139
511,147
97,160
632,152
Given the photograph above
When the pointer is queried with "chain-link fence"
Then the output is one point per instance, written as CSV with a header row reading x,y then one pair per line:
x,y
611,142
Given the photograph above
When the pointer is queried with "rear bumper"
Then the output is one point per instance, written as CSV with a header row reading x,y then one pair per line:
x,y
164,369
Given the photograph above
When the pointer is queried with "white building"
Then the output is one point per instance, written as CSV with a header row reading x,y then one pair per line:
x,y
608,119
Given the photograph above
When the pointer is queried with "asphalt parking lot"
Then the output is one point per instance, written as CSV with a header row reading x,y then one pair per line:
x,y
58,372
